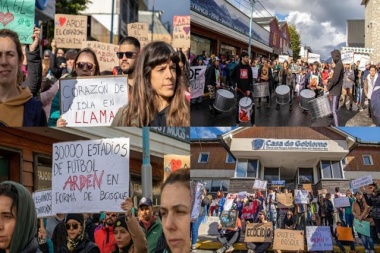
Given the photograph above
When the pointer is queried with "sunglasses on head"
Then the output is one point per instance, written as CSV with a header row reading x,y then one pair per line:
x,y
129,55
72,225
111,214
89,65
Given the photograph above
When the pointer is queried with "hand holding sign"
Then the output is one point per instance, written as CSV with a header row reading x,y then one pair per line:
x,y
127,206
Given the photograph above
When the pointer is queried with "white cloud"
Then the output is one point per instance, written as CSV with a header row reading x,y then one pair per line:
x,y
202,133
224,129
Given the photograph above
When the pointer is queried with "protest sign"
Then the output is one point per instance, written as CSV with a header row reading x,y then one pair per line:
x,y
260,184
363,59
42,202
70,30
342,202
90,176
307,187
140,32
228,219
283,58
92,101
229,201
175,162
197,81
288,239
311,58
318,238
181,32
348,57
248,211
105,53
255,72
322,191
284,200
362,227
301,197
18,16
362,181
344,234
259,232
197,191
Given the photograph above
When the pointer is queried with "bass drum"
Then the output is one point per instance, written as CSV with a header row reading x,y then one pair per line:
x,y
245,109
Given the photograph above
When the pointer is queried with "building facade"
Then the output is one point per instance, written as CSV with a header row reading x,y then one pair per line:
x,y
372,27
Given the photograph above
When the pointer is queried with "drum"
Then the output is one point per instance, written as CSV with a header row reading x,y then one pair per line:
x,y
306,96
224,100
245,109
320,107
261,90
283,94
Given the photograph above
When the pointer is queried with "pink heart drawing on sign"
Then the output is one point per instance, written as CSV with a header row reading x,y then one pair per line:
x,y
6,18
186,29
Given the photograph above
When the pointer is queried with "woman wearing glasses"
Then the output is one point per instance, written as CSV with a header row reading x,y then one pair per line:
x,y
289,222
259,247
85,64
158,96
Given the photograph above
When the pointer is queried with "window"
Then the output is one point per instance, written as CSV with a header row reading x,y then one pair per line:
x,y
331,169
203,157
344,161
271,174
246,168
43,179
212,186
367,160
4,168
229,159
305,176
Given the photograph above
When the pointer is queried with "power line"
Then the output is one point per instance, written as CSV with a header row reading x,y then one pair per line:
x,y
265,9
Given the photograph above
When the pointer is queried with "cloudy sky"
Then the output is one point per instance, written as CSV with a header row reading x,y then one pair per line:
x,y
321,23
171,8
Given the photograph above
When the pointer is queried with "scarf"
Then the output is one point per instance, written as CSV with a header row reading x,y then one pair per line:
x,y
288,222
73,243
12,111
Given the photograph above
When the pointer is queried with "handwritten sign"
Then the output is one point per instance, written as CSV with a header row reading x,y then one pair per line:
x,y
175,162
181,32
255,72
348,57
288,239
229,201
140,32
362,227
301,197
342,202
197,81
259,232
283,58
105,53
43,204
90,176
307,187
260,184
362,181
344,234
284,200
92,101
228,219
18,16
318,238
70,30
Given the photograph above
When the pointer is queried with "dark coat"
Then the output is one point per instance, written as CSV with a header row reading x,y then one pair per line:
x,y
34,79
335,84
85,246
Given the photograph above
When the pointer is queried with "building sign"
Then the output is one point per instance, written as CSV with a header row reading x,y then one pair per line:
x,y
289,144
43,177
178,133
278,183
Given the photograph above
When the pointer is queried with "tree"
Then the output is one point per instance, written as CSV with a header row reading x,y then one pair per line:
x,y
295,41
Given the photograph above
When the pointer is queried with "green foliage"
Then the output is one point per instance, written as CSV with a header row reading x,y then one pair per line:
x,y
295,41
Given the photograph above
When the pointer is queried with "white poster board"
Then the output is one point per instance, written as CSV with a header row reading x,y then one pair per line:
x,y
260,184
283,58
318,238
341,202
197,81
255,72
92,101
363,59
90,176
42,202
362,181
301,197
311,58
348,57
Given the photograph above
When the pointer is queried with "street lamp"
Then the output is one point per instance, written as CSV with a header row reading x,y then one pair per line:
x,y
252,2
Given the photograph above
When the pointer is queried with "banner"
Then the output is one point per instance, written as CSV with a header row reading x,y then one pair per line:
x,y
341,202
42,201
318,238
175,162
255,72
362,227
284,200
229,201
283,58
228,219
70,30
259,232
362,181
140,32
301,197
90,176
248,211
181,32
197,81
92,101
288,239
344,234
105,53
260,184
18,16
196,188
348,57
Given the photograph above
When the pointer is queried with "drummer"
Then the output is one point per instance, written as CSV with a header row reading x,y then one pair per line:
x,y
314,82
286,79
265,75
242,76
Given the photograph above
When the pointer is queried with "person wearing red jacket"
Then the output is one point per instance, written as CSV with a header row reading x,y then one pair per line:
x,y
104,237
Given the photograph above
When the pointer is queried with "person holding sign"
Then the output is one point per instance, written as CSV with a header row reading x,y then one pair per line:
x,y
349,217
259,247
228,236
340,243
373,200
158,96
289,221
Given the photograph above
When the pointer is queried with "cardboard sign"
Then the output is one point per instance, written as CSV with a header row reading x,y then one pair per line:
x,y
260,184
255,72
288,239
259,232
105,53
362,227
344,234
348,57
362,181
18,16
90,176
342,202
228,219
175,162
318,238
284,200
322,191
197,81
43,203
307,187
301,197
283,58
70,30
140,32
92,101
181,32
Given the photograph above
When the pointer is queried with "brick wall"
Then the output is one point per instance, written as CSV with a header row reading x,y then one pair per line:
x,y
372,28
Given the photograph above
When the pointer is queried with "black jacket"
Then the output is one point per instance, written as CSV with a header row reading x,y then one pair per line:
x,y
211,77
85,246
34,79
242,76
373,200
336,82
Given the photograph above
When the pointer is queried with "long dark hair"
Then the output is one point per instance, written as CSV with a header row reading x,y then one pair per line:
x,y
59,237
88,51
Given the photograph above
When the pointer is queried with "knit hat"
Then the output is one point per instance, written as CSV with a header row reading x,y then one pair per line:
x,y
120,222
75,216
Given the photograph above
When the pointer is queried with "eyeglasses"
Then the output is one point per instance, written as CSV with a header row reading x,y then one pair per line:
x,y
111,214
72,225
89,65
129,55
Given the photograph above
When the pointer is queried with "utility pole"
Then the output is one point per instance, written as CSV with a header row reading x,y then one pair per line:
x,y
152,20
252,2
146,167
112,15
